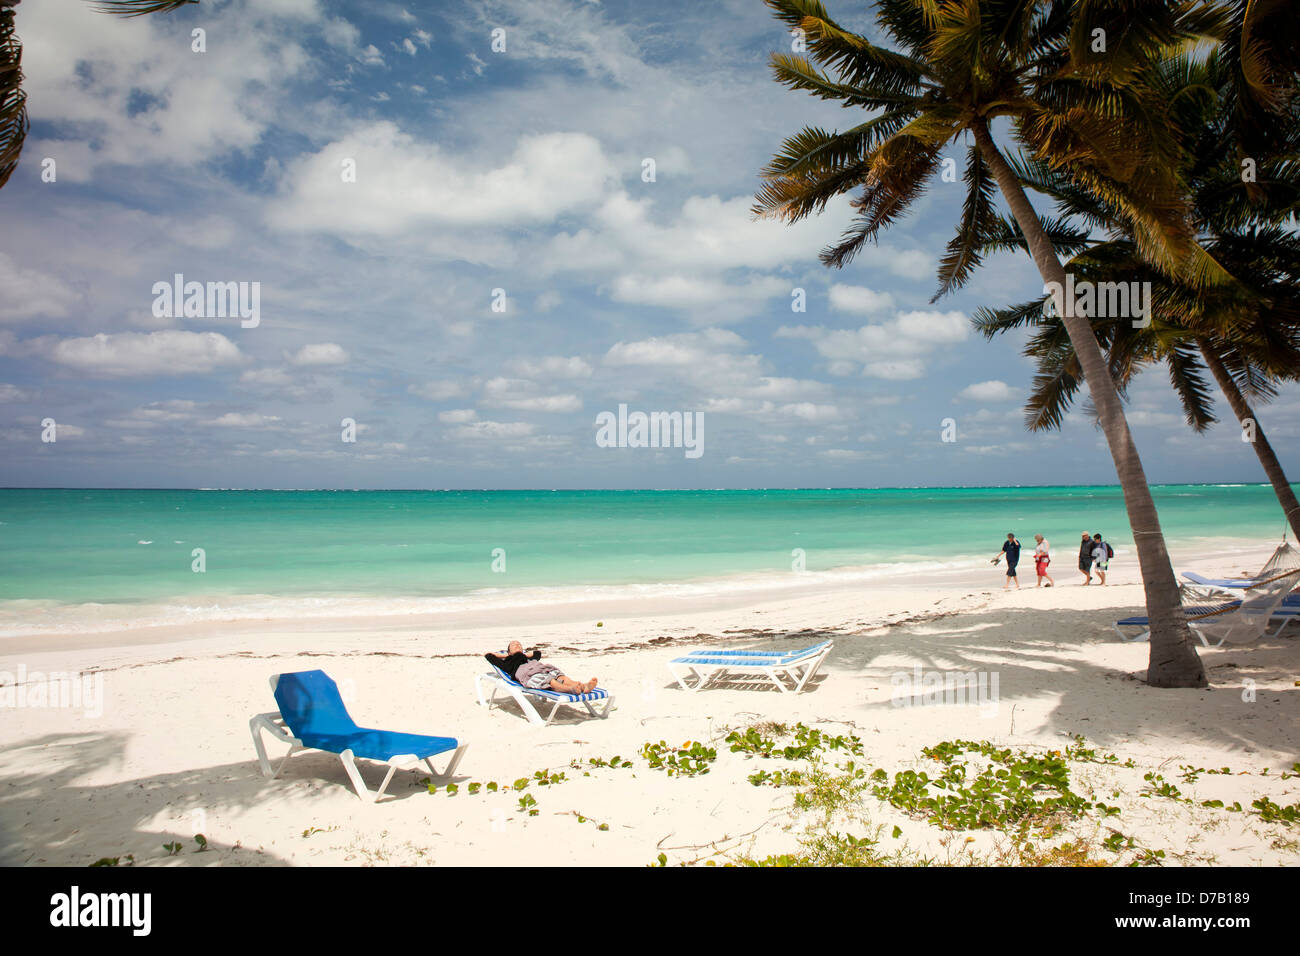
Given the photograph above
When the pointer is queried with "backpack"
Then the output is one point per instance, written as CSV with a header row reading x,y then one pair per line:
x,y
1110,552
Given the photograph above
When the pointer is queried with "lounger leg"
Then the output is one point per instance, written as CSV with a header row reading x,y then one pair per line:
x,y
478,686
677,676
256,730
809,671
359,785
451,764
1130,640
603,712
552,713
771,672
527,707
1201,635
255,727
392,769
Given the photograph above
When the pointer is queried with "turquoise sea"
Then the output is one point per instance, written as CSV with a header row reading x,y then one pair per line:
x,y
298,550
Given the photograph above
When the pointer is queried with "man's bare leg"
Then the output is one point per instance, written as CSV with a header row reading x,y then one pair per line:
x,y
569,686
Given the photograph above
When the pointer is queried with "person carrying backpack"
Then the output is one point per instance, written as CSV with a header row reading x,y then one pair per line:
x,y
1101,553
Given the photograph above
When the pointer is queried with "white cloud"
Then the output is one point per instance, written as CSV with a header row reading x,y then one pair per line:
x,y
543,403
891,350
706,234
275,377
555,366
32,294
547,301
523,395
12,393
859,299
437,391
457,416
683,349
694,292
243,420
403,184
321,353
168,352
991,391
492,430
133,88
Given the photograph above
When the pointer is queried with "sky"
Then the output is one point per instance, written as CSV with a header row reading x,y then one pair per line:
x,y
473,228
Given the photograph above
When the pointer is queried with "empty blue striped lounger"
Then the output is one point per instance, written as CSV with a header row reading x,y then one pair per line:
x,y
501,682
707,667
312,716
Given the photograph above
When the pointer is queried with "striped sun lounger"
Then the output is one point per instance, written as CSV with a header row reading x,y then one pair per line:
x,y
501,682
708,667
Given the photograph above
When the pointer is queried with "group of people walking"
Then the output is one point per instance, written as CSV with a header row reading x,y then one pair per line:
x,y
1094,555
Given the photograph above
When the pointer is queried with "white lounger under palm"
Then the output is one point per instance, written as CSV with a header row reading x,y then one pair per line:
x,y
1237,622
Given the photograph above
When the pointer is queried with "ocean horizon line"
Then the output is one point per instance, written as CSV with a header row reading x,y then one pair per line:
x,y
556,490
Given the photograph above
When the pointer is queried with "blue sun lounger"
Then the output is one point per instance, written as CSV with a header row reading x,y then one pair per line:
x,y
500,681
312,716
778,666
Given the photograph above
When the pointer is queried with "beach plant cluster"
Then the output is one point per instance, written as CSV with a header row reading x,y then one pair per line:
x,y
756,742
688,760
1011,788
1028,797
527,803
1267,810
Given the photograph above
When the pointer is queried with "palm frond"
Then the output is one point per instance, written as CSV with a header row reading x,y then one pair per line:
x,y
139,8
13,100
963,254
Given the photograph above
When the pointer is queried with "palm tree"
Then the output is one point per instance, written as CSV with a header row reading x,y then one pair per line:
x,y
1244,366
13,100
1246,332
958,68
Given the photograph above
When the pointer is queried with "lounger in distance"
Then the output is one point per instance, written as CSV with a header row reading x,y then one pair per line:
x,y
708,667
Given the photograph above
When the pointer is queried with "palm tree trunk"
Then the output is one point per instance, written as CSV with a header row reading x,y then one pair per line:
x,y
1173,660
1241,408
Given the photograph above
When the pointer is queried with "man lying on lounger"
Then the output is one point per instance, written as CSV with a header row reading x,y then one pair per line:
x,y
529,670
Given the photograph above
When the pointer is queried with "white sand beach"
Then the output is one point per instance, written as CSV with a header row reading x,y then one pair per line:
x,y
171,755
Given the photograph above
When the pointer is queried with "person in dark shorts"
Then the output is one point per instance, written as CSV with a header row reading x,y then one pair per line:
x,y
1011,548
1085,557
1100,555
529,670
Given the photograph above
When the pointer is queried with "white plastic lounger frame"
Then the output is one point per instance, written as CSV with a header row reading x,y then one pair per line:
x,y
521,694
707,667
1238,621
274,724
1194,615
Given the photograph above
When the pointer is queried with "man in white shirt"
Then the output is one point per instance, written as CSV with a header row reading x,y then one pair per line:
x,y
1099,557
